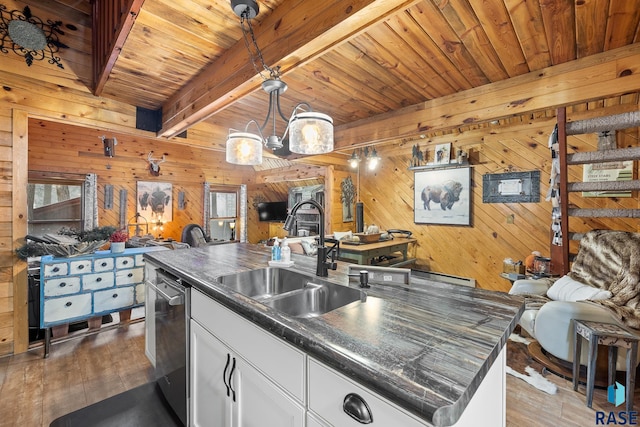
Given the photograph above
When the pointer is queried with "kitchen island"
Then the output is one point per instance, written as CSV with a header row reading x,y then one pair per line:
x,y
425,348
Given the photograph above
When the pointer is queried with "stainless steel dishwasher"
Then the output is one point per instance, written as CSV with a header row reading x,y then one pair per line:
x,y
172,305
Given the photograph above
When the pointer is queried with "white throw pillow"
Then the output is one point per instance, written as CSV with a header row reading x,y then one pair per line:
x,y
567,289
310,247
339,235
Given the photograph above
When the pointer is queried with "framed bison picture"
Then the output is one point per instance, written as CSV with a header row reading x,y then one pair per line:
x,y
443,196
154,201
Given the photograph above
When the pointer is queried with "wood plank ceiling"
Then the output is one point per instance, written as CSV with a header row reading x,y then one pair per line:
x,y
350,59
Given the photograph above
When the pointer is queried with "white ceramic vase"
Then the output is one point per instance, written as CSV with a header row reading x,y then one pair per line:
x,y
117,247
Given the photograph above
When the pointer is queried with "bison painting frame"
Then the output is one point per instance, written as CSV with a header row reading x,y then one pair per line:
x,y
154,201
443,196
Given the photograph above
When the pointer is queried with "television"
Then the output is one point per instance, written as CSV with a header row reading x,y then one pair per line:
x,y
272,211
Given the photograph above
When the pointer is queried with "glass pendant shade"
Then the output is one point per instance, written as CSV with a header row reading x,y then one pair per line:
x,y
244,148
311,133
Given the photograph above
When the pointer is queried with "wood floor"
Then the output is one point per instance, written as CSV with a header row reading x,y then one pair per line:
x,y
86,369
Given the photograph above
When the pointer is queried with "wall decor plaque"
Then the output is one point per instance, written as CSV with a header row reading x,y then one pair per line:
x,y
511,187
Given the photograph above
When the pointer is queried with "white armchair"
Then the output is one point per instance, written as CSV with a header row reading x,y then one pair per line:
x,y
603,286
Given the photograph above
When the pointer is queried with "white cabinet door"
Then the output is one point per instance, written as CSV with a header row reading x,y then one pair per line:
x,y
281,362
227,391
259,402
312,421
210,405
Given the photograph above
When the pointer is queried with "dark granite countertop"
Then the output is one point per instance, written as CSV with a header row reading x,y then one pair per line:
x,y
426,348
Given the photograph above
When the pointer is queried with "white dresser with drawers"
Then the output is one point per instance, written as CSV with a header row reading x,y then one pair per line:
x,y
84,287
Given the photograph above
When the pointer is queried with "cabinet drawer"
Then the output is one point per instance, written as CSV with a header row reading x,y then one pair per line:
x,y
140,292
103,264
125,262
61,286
61,309
79,267
139,260
112,299
279,361
328,390
130,276
97,281
57,269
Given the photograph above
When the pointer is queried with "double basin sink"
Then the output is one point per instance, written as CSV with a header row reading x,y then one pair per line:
x,y
291,292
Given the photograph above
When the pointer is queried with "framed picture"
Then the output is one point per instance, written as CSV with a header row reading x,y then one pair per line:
x,y
511,187
608,172
348,195
443,196
154,201
443,154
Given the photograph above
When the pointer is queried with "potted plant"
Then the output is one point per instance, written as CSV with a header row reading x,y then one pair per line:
x,y
118,239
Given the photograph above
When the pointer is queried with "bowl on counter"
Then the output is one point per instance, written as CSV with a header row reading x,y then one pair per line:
x,y
368,238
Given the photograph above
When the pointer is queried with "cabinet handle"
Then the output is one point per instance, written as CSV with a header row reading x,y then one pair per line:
x,y
233,392
356,407
68,304
224,374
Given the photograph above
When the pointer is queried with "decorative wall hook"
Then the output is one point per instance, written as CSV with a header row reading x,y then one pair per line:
x,y
154,164
109,145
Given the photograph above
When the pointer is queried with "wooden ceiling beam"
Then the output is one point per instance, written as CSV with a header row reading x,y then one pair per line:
x,y
284,42
604,75
112,22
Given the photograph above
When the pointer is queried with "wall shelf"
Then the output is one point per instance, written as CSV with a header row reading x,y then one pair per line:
x,y
446,166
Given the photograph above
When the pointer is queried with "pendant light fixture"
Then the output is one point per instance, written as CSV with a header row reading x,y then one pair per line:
x,y
244,148
309,132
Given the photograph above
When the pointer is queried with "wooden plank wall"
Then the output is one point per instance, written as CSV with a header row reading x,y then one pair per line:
x,y
54,147
6,254
498,230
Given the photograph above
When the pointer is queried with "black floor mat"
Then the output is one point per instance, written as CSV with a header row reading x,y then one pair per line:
x,y
142,406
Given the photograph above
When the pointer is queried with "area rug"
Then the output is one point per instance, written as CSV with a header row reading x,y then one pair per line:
x,y
521,365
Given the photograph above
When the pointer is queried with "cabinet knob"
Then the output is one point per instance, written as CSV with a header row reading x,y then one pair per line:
x,y
80,267
56,269
114,296
130,275
356,407
125,262
68,304
104,264
63,284
99,279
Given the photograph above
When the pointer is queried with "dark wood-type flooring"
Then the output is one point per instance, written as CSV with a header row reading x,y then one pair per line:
x,y
91,367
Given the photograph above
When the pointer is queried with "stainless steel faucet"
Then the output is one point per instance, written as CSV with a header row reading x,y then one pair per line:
x,y
322,265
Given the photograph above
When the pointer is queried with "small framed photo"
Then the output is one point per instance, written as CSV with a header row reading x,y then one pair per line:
x,y
443,154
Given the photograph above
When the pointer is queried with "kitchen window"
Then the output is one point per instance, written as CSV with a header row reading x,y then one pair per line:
x,y
224,208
